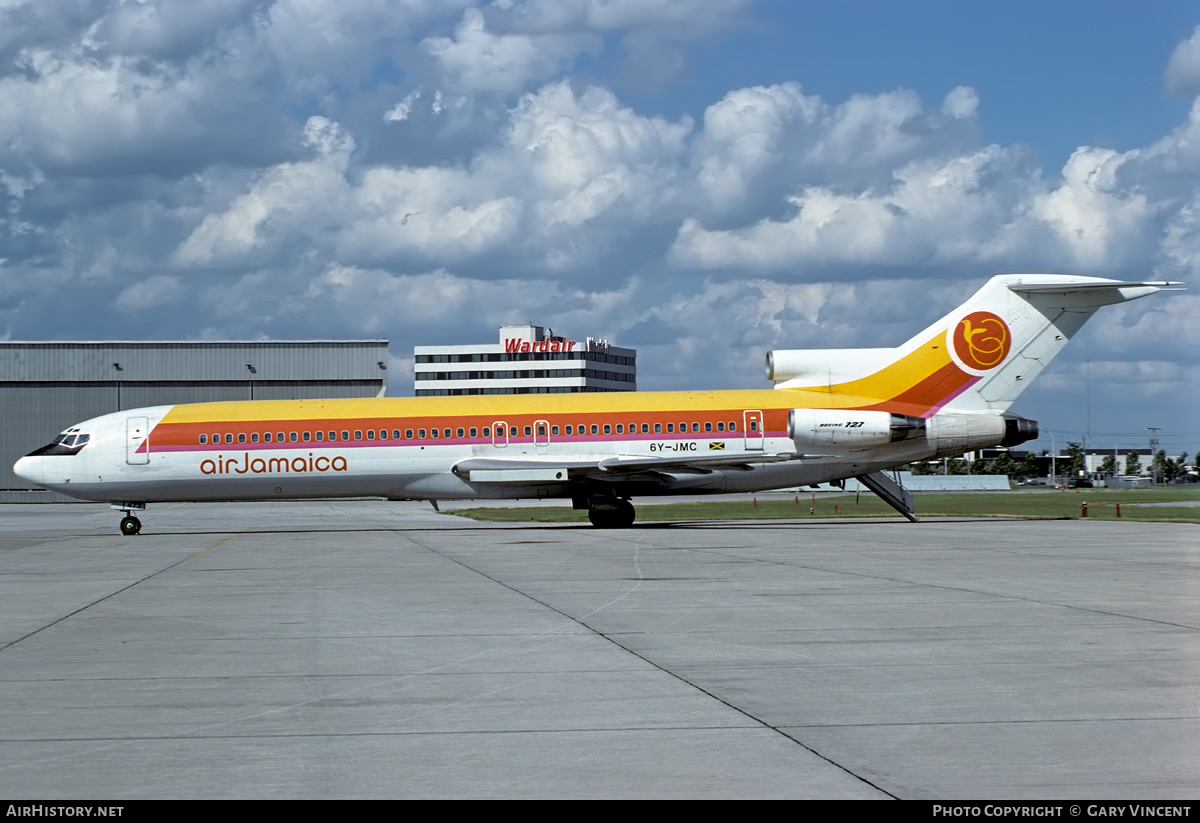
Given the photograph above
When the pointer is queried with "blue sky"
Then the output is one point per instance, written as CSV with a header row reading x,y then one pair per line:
x,y
642,170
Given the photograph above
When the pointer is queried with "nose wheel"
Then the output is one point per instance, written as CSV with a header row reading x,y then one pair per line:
x,y
129,523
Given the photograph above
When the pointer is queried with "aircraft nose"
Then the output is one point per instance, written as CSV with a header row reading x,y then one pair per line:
x,y
29,468
22,468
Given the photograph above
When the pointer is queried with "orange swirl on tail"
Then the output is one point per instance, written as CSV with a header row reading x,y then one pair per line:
x,y
982,340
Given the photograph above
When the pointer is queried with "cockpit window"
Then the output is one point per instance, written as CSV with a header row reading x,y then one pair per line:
x,y
66,443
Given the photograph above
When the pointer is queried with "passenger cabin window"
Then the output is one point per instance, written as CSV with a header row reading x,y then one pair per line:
x,y
421,433
358,434
459,433
203,439
292,437
607,429
307,437
370,434
708,427
720,425
320,436
253,437
279,437
670,428
474,432
657,428
229,438
345,435
241,437
645,428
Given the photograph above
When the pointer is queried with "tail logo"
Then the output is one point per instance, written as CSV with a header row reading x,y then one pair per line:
x,y
981,341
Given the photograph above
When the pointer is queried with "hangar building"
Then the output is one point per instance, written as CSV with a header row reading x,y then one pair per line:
x,y
47,386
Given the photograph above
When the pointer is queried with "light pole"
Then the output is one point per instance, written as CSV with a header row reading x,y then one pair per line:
x,y
1053,457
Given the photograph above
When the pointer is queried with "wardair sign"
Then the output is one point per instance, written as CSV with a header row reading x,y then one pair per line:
x,y
272,465
513,346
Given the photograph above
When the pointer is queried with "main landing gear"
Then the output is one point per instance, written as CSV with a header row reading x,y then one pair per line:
x,y
129,524
617,514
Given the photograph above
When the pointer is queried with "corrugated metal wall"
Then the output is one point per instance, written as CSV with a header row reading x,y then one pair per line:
x,y
46,387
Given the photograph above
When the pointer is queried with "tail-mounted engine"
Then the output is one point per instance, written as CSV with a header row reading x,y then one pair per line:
x,y
952,434
822,428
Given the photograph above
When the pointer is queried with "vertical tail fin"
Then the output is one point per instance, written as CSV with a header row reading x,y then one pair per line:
x,y
979,357
1011,329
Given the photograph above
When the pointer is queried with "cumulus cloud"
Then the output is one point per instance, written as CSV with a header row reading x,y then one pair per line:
x,y
153,292
477,60
1183,68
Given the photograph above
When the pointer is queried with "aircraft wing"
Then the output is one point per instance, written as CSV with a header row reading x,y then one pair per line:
x,y
549,469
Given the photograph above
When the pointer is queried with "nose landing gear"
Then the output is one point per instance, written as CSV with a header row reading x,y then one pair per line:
x,y
129,524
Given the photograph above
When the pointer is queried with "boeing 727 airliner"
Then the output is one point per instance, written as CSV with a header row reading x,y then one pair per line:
x,y
833,414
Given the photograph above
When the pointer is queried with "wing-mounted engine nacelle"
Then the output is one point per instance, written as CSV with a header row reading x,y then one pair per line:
x,y
953,434
822,428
